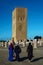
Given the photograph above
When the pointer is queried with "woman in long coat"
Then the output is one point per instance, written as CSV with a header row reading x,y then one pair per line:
x,y
11,51
30,51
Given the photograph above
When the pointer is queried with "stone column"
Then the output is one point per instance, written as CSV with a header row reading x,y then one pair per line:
x,y
23,44
27,43
5,44
2,44
40,43
19,42
35,43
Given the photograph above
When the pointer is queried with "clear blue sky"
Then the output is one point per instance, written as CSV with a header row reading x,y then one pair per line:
x,y
34,19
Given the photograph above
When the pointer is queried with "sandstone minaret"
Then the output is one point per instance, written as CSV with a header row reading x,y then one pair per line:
x,y
19,23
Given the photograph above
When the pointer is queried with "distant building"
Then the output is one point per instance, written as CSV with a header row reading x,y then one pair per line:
x,y
19,24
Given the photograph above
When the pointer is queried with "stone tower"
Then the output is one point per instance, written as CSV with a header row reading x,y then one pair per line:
x,y
19,22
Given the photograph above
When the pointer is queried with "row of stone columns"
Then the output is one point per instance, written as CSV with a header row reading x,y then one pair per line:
x,y
3,44
24,43
35,42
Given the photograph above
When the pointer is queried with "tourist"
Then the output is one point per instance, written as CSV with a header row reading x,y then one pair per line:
x,y
17,51
11,51
30,51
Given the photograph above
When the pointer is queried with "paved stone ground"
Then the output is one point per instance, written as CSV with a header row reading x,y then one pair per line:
x,y
37,59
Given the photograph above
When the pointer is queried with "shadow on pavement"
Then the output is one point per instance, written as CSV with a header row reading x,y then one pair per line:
x,y
36,59
23,58
20,59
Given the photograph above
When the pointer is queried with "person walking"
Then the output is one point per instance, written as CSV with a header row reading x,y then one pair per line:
x,y
30,52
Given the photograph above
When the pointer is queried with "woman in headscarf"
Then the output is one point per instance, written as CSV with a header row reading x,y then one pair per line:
x,y
11,51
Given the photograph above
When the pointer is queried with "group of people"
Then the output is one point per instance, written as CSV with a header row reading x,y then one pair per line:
x,y
15,50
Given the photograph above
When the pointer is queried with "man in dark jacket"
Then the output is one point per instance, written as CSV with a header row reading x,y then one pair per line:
x,y
30,51
17,51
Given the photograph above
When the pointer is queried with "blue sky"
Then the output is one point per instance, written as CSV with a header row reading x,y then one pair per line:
x,y
34,19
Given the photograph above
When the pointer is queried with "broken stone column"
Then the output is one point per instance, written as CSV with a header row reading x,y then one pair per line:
x,y
5,44
35,43
27,43
2,44
40,43
23,44
19,42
